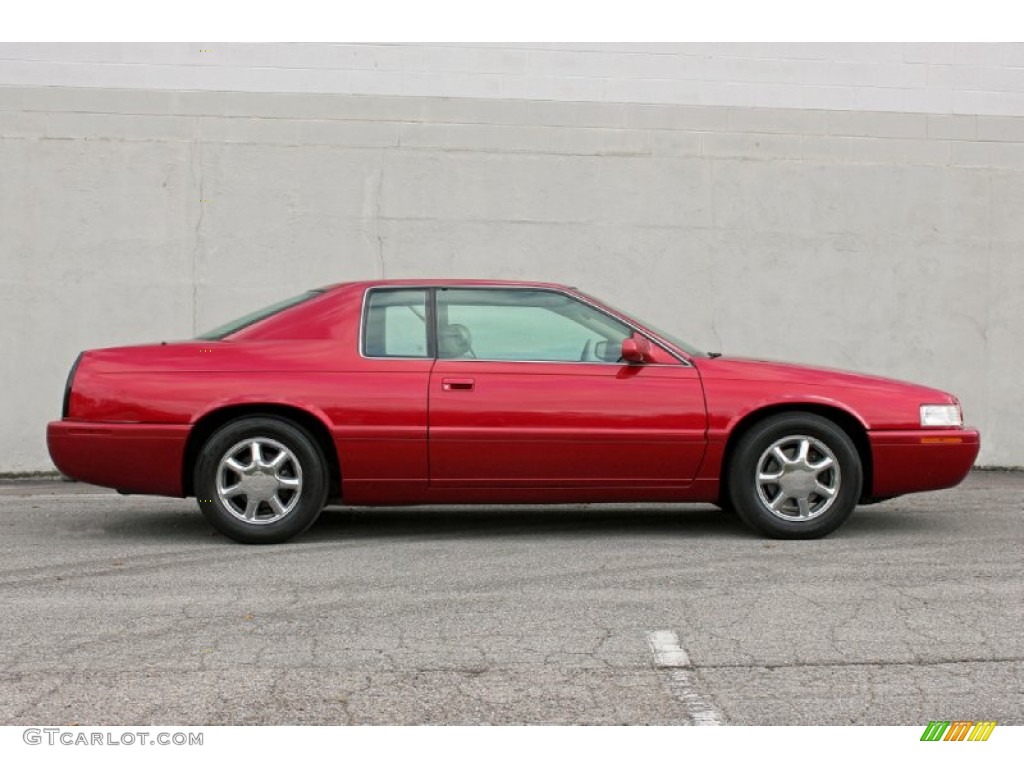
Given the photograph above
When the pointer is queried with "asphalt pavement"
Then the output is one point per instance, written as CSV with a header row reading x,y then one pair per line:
x,y
130,610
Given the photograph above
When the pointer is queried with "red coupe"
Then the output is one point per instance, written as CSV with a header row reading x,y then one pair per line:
x,y
462,392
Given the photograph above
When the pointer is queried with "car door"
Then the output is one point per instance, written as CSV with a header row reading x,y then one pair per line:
x,y
528,391
380,407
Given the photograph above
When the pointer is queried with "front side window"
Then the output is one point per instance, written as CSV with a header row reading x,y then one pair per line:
x,y
396,323
527,325
687,348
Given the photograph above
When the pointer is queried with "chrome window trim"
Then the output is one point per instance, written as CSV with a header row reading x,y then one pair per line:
x,y
661,343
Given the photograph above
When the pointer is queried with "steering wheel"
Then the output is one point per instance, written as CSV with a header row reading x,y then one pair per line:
x,y
586,352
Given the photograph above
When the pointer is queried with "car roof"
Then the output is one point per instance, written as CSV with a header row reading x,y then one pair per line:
x,y
436,282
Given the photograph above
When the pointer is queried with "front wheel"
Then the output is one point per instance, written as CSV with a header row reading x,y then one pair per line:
x,y
261,480
795,476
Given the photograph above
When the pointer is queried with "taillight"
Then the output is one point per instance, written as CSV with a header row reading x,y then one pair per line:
x,y
67,386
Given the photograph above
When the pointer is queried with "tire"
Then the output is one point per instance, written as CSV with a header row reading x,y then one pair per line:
x,y
795,476
266,495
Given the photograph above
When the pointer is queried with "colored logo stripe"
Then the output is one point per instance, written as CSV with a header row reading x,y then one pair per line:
x,y
982,730
958,730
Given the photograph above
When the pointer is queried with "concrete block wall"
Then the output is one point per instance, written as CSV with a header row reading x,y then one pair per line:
x,y
887,242
960,78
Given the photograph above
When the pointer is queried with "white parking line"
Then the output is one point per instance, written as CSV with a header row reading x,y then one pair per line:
x,y
674,664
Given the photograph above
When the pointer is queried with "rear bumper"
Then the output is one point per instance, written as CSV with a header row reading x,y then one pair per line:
x,y
921,460
135,458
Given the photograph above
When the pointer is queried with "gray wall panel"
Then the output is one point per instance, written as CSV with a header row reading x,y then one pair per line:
x,y
128,216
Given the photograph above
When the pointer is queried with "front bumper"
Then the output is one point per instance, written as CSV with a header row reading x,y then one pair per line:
x,y
907,461
134,458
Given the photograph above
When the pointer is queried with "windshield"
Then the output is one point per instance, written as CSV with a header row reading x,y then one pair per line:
x,y
669,337
238,324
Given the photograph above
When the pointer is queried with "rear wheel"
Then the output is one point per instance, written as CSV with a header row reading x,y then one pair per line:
x,y
795,476
261,480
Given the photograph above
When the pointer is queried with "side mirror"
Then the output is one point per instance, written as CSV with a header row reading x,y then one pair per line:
x,y
636,350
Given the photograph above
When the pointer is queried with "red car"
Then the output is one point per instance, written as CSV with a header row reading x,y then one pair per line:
x,y
462,392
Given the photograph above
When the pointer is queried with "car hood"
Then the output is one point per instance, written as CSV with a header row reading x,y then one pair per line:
x,y
749,369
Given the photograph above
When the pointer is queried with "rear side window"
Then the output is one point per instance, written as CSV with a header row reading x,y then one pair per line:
x,y
395,324
245,321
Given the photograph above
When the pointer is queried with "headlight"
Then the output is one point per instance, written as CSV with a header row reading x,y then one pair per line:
x,y
941,416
